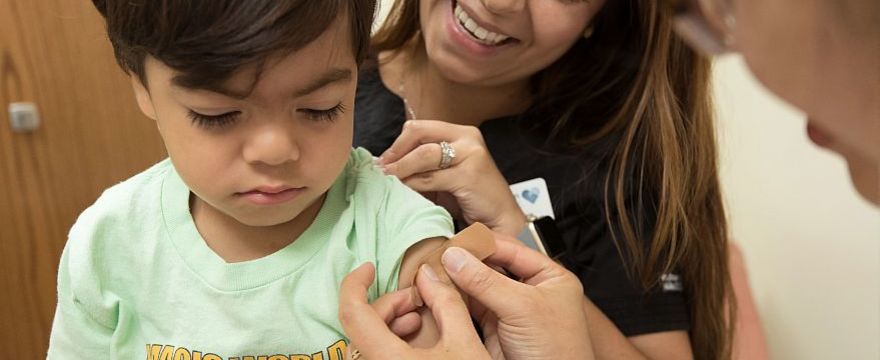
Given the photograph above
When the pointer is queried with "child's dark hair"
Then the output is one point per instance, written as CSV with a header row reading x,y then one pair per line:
x,y
206,41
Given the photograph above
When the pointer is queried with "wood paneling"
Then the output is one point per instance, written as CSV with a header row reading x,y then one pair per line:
x,y
55,53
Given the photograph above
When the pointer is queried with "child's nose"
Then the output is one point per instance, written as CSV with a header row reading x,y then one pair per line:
x,y
271,145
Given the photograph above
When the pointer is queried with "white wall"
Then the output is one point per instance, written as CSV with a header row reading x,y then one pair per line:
x,y
811,244
384,6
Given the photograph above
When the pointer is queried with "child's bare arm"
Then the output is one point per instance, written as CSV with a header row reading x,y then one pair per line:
x,y
477,239
428,334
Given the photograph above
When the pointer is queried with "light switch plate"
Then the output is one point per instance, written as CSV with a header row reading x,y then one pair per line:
x,y
23,117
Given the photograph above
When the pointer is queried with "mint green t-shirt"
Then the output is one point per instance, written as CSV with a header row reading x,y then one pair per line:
x,y
137,281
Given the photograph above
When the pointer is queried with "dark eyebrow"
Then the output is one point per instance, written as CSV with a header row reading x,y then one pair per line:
x,y
332,76
215,88
329,77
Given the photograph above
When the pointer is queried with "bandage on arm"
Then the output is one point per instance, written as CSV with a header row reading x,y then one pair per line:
x,y
476,239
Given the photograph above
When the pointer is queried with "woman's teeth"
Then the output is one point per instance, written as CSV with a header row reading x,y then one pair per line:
x,y
480,34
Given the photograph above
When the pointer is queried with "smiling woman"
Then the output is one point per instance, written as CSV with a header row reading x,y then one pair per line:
x,y
601,101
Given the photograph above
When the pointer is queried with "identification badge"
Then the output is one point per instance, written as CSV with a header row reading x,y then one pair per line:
x,y
533,197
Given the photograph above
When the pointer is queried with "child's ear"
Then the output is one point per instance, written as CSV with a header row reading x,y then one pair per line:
x,y
143,97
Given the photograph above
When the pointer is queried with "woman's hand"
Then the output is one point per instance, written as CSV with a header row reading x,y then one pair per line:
x,y
367,325
471,187
541,317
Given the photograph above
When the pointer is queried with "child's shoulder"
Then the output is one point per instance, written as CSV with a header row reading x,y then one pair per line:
x,y
372,190
105,247
365,179
123,206
128,195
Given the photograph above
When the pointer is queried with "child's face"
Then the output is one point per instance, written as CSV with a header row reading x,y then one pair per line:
x,y
265,158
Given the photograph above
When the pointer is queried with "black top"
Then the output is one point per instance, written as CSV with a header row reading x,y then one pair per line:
x,y
576,187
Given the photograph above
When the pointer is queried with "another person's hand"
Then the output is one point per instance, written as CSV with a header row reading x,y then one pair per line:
x,y
471,187
541,317
368,325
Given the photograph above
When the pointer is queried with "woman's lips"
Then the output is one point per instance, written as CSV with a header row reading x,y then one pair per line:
x,y
271,195
460,36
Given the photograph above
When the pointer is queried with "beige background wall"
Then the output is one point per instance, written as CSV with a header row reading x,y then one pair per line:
x,y
812,245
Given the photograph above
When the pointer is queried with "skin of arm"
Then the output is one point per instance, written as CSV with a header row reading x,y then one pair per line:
x,y
428,333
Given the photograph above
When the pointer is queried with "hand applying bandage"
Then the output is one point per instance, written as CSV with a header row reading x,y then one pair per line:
x,y
399,309
476,239
539,317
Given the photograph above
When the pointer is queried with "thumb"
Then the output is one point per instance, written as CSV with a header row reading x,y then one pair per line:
x,y
364,326
448,308
498,293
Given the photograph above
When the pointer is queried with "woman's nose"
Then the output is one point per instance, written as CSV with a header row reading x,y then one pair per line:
x,y
502,7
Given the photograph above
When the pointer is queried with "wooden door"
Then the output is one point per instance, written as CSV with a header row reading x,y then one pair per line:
x,y
55,54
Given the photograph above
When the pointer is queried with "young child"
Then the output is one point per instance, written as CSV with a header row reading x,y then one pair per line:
x,y
234,247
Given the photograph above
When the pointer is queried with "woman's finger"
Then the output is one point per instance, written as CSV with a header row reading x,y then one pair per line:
x,y
406,324
443,181
522,262
395,304
448,308
419,132
424,158
363,325
500,294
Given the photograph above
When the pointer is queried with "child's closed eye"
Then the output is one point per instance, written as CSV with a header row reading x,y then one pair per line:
x,y
213,121
326,114
217,121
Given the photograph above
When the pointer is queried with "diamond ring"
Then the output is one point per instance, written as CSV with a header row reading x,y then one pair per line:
x,y
447,154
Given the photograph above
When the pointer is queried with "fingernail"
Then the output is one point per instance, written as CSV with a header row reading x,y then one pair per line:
x,y
416,298
454,259
427,271
384,170
377,161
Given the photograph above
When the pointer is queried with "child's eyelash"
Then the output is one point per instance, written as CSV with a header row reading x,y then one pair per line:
x,y
324,115
216,121
213,121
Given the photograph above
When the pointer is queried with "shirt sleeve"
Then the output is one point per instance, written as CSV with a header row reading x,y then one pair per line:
x,y
408,218
78,330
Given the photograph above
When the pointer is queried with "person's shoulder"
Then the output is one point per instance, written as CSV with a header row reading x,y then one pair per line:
x,y
121,207
123,198
364,177
371,187
106,240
